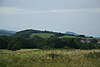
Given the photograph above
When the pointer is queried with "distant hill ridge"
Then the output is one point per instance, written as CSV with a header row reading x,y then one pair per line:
x,y
26,33
71,33
31,32
31,38
6,32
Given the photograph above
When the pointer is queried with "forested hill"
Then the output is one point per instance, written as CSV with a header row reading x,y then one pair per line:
x,y
29,32
46,34
47,40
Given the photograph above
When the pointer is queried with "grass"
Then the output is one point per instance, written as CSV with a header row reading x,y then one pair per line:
x,y
68,36
43,35
48,35
50,58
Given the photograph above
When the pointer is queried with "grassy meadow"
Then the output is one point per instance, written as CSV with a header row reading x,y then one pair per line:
x,y
50,58
43,35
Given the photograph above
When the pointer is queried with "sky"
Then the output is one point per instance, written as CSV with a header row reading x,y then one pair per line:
x,y
80,16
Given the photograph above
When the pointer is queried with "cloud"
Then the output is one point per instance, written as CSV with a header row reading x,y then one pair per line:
x,y
12,10
19,11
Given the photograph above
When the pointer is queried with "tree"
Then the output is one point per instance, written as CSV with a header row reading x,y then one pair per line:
x,y
3,43
4,40
10,44
81,35
14,45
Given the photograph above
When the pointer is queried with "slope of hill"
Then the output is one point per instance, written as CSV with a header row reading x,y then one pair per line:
x,y
31,33
47,40
43,35
6,32
71,33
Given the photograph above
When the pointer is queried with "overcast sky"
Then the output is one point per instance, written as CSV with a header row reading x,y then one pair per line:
x,y
80,16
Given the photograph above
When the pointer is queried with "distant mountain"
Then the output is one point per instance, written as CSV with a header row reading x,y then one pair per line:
x,y
6,32
71,33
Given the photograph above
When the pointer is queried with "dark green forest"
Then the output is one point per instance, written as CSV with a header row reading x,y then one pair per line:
x,y
25,40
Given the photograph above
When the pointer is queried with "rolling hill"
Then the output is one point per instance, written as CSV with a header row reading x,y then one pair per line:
x,y
71,33
29,33
6,32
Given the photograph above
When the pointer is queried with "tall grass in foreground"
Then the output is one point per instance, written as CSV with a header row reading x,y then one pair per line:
x,y
50,58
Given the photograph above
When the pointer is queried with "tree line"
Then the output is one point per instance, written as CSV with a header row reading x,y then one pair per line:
x,y
36,42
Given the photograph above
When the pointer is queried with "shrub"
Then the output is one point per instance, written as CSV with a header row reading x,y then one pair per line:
x,y
14,45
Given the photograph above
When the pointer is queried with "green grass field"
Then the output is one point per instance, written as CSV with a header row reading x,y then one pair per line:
x,y
67,36
48,35
50,58
43,35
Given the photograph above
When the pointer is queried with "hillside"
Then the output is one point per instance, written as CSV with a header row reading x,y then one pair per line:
x,y
31,38
31,32
43,35
71,33
6,32
47,34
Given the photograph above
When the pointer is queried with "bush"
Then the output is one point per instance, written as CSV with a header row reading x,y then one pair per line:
x,y
16,46
13,45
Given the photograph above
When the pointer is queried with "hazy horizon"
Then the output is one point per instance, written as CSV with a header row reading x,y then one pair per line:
x,y
79,16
